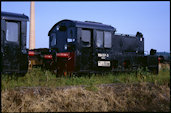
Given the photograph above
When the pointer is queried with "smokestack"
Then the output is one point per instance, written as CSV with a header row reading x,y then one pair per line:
x,y
32,26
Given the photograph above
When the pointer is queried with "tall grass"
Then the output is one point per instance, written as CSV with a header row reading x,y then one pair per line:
x,y
37,77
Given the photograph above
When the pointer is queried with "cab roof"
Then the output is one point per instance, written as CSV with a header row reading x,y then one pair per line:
x,y
86,24
14,16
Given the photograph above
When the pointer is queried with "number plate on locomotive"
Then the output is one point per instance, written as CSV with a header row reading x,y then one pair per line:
x,y
104,63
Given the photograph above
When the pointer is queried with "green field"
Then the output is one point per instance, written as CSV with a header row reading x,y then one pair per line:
x,y
37,77
41,91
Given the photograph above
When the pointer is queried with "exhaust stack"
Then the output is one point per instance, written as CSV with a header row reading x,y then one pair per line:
x,y
32,27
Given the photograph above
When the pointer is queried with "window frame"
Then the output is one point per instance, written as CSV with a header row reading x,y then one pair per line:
x,y
51,38
103,42
102,38
85,41
18,26
72,38
110,38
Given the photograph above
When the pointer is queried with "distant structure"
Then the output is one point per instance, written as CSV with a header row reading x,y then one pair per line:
x,y
32,26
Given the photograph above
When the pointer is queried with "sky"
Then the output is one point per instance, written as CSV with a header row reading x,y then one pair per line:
x,y
152,19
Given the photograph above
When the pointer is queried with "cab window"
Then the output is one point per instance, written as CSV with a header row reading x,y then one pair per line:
x,y
86,38
53,39
107,39
70,37
12,31
99,39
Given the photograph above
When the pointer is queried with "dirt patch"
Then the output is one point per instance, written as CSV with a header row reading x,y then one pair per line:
x,y
111,97
163,66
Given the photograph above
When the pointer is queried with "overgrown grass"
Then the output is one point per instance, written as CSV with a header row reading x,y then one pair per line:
x,y
37,77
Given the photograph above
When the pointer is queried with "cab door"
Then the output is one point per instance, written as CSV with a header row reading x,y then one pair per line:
x,y
86,50
12,49
2,42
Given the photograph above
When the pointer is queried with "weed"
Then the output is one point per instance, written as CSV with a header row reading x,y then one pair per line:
x,y
37,77
91,88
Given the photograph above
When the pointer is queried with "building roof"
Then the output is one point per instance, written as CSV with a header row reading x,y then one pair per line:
x,y
13,16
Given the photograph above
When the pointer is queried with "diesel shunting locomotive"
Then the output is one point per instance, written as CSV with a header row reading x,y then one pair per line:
x,y
91,47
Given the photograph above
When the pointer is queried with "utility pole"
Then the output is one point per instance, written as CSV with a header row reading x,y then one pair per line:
x,y
32,26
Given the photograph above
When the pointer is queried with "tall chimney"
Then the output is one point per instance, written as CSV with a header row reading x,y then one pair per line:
x,y
32,26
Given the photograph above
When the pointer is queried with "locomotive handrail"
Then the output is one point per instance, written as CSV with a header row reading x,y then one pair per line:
x,y
131,35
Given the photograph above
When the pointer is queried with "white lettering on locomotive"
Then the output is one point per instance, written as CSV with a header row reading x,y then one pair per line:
x,y
103,55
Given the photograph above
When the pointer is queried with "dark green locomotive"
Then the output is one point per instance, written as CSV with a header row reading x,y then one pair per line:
x,y
14,55
91,47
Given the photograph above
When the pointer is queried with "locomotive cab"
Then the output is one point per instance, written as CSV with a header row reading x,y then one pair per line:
x,y
14,57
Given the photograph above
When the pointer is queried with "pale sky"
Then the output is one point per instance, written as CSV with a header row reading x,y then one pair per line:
x,y
150,18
